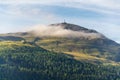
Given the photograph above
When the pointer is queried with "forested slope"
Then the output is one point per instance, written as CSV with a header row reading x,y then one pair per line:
x,y
22,61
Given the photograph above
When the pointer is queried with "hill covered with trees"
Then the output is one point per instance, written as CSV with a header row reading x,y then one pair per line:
x,y
23,61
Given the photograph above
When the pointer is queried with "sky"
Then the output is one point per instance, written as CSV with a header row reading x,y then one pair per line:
x,y
101,15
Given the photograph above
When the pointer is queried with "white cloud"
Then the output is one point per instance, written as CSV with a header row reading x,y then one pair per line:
x,y
30,1
59,31
21,10
109,4
28,12
101,6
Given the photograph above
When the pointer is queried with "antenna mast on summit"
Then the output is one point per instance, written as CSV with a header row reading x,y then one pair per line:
x,y
64,21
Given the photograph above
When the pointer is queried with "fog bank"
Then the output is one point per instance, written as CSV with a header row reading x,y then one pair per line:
x,y
59,31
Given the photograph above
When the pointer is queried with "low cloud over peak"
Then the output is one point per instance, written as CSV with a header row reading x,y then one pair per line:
x,y
59,31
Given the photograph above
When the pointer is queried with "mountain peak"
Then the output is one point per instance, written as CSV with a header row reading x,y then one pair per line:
x,y
74,27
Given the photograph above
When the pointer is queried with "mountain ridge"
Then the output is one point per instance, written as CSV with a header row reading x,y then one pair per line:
x,y
73,27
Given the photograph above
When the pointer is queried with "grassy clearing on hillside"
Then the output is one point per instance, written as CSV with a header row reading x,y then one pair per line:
x,y
15,43
91,59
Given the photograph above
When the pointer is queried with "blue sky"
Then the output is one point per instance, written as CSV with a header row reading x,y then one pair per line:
x,y
101,15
